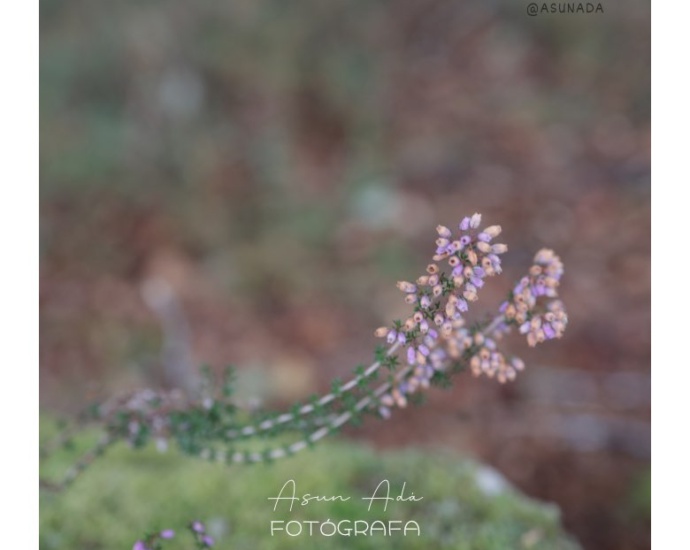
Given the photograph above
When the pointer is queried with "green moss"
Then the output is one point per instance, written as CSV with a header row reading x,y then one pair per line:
x,y
128,493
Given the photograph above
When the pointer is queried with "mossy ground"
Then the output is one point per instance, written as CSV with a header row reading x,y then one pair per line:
x,y
127,493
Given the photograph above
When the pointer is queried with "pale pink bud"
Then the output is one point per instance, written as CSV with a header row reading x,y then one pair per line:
x,y
443,231
406,287
484,247
493,231
470,296
535,270
447,328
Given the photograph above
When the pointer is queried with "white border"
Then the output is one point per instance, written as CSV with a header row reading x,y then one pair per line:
x,y
19,283
19,242
670,365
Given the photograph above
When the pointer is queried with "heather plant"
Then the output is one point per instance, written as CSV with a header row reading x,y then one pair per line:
x,y
154,541
428,348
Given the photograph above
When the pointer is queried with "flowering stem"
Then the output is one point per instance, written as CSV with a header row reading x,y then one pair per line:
x,y
435,341
337,422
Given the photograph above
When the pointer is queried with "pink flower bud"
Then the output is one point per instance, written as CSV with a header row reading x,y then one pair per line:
x,y
443,231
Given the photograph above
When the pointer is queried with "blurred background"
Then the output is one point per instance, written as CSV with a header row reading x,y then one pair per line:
x,y
243,182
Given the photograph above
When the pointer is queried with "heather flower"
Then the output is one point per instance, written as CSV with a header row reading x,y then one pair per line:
x,y
140,545
198,527
441,300
538,323
167,534
488,360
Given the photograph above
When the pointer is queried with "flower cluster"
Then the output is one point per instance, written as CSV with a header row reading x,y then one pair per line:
x,y
523,306
203,540
490,361
437,331
153,541
143,415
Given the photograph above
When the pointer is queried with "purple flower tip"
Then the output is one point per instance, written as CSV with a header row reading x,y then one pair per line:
x,y
198,527
139,545
167,534
208,541
476,281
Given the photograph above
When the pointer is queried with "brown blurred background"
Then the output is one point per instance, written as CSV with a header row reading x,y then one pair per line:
x,y
242,183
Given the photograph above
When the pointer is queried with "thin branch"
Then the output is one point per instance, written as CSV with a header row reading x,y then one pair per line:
x,y
84,462
307,409
318,434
